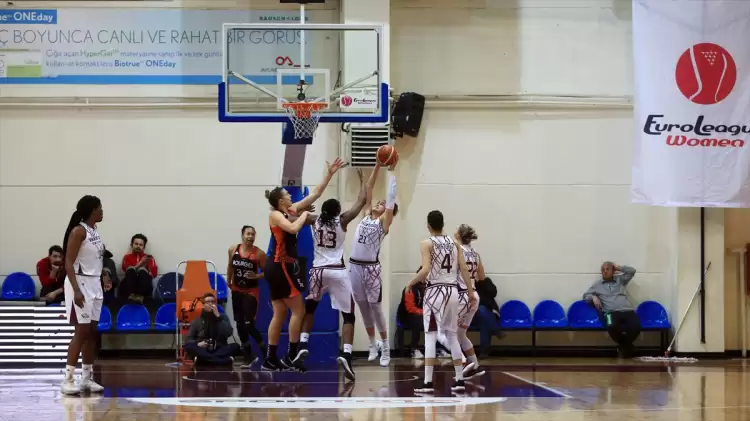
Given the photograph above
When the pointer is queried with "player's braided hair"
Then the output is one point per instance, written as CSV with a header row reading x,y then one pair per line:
x,y
329,211
467,234
84,209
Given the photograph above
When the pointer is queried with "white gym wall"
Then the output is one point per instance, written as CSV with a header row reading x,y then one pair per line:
x,y
547,189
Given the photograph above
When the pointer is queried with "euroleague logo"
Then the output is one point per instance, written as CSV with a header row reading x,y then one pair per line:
x,y
346,101
706,73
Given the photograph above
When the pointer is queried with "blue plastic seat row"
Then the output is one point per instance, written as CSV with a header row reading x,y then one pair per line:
x,y
168,284
136,318
19,286
550,314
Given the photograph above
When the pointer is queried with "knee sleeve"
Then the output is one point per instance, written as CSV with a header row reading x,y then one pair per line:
x,y
464,341
366,312
430,344
348,318
310,306
378,317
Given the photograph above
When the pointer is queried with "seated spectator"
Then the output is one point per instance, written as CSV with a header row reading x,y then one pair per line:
x,y
208,336
409,315
51,272
109,272
609,296
140,270
487,316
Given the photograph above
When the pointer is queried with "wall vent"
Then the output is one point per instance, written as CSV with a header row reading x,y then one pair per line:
x,y
364,141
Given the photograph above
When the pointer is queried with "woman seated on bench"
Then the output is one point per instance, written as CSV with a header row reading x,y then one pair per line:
x,y
208,335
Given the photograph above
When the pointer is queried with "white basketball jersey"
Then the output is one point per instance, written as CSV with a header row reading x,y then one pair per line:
x,y
367,239
444,267
472,263
90,257
329,243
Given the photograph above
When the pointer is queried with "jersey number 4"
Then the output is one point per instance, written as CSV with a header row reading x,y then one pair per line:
x,y
446,263
326,239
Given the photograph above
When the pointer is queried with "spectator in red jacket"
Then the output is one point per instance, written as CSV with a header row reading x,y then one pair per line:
x,y
140,270
51,272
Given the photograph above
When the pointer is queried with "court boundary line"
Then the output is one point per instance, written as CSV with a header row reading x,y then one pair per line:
x,y
541,386
241,381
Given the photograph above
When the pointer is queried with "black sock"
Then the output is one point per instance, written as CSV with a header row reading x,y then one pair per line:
x,y
271,353
293,346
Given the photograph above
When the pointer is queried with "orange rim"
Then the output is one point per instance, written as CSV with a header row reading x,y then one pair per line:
x,y
304,109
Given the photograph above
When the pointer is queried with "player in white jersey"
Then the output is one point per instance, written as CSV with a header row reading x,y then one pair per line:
x,y
84,257
328,273
364,271
442,261
466,234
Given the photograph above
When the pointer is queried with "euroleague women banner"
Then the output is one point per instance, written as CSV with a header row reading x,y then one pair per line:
x,y
692,103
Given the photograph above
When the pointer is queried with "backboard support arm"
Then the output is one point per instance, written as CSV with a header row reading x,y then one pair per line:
x,y
256,86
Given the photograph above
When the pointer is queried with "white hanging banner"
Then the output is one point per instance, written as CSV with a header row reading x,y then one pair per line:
x,y
692,103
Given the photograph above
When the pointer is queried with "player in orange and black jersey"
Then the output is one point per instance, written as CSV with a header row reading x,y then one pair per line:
x,y
243,274
283,274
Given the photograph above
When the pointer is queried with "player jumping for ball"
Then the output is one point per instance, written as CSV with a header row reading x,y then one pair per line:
x,y
328,271
442,261
364,271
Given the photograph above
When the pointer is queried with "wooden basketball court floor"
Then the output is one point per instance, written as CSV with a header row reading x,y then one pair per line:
x,y
512,389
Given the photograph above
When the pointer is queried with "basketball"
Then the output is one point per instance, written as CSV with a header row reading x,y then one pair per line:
x,y
387,155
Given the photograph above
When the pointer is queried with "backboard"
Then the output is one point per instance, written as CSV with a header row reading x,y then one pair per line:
x,y
265,62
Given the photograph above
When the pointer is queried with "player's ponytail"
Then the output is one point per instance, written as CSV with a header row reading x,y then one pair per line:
x,y
75,219
84,209
467,234
329,211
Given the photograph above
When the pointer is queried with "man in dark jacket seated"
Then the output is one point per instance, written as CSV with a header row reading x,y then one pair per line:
x,y
487,315
208,335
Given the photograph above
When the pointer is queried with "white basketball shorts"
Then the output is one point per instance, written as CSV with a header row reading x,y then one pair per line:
x,y
335,282
466,312
440,309
367,285
93,295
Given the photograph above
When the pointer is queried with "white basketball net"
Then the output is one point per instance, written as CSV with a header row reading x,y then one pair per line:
x,y
305,117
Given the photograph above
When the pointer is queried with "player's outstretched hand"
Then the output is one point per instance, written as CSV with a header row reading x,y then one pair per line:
x,y
337,165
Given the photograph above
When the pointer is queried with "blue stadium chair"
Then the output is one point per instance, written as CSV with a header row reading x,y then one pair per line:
x,y
582,315
167,285
653,315
221,289
515,315
550,314
133,317
18,286
166,318
105,319
221,309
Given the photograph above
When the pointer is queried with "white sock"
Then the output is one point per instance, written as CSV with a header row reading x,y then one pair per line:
x,y
459,372
70,371
385,344
347,348
428,369
87,371
372,341
473,358
303,337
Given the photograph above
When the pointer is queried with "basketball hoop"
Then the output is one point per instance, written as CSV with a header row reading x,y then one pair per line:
x,y
304,116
